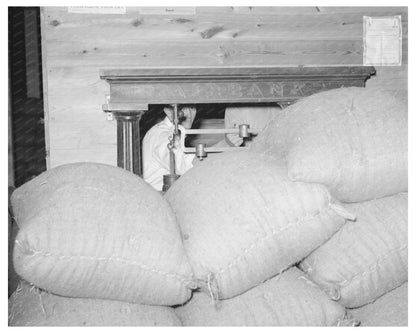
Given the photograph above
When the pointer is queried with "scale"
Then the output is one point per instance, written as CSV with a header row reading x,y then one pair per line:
x,y
201,151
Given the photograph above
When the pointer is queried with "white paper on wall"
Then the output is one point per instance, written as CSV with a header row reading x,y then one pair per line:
x,y
382,41
167,10
97,9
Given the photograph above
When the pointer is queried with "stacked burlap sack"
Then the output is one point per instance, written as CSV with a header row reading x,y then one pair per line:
x,y
248,218
102,245
95,237
307,224
245,225
391,309
353,141
31,306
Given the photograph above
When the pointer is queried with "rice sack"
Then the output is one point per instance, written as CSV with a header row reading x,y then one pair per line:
x,y
289,299
353,140
30,306
243,220
98,231
365,259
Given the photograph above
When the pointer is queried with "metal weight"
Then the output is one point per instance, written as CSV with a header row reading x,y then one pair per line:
x,y
243,131
168,180
200,151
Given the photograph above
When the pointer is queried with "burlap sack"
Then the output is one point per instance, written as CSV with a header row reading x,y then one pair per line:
x,y
391,309
353,140
243,220
30,306
289,299
365,259
98,231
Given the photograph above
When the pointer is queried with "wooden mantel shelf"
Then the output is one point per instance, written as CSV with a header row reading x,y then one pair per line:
x,y
231,73
132,90
137,87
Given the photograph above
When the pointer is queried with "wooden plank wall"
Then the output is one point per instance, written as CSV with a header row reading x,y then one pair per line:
x,y
76,46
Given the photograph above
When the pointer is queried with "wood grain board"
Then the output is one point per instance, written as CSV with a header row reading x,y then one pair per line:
x,y
76,46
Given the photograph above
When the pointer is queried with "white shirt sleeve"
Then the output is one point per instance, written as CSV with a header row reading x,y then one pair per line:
x,y
160,151
183,161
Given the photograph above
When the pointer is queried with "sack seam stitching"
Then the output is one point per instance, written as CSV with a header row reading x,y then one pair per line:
x,y
174,276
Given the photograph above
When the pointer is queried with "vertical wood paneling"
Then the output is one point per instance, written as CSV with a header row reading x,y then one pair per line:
x,y
76,46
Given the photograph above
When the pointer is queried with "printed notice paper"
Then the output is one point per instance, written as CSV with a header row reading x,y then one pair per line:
x,y
97,10
167,10
382,41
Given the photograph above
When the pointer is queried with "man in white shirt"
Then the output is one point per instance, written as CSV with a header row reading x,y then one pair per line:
x,y
156,162
156,159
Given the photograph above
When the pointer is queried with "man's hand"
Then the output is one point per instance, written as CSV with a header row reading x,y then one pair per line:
x,y
188,117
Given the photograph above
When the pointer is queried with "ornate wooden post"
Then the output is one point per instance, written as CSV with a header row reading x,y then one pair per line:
x,y
128,134
128,141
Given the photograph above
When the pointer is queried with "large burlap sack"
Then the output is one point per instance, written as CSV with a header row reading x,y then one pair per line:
x,y
30,306
243,220
391,309
367,258
98,231
353,140
289,299
13,277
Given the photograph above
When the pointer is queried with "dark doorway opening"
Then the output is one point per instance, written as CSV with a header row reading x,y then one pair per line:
x,y
27,149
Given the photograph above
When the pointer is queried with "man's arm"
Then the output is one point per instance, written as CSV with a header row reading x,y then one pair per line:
x,y
160,151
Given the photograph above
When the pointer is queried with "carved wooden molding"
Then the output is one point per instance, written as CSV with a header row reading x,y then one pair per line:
x,y
133,89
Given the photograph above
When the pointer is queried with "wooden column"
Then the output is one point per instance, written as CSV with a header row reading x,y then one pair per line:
x,y
128,141
128,117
